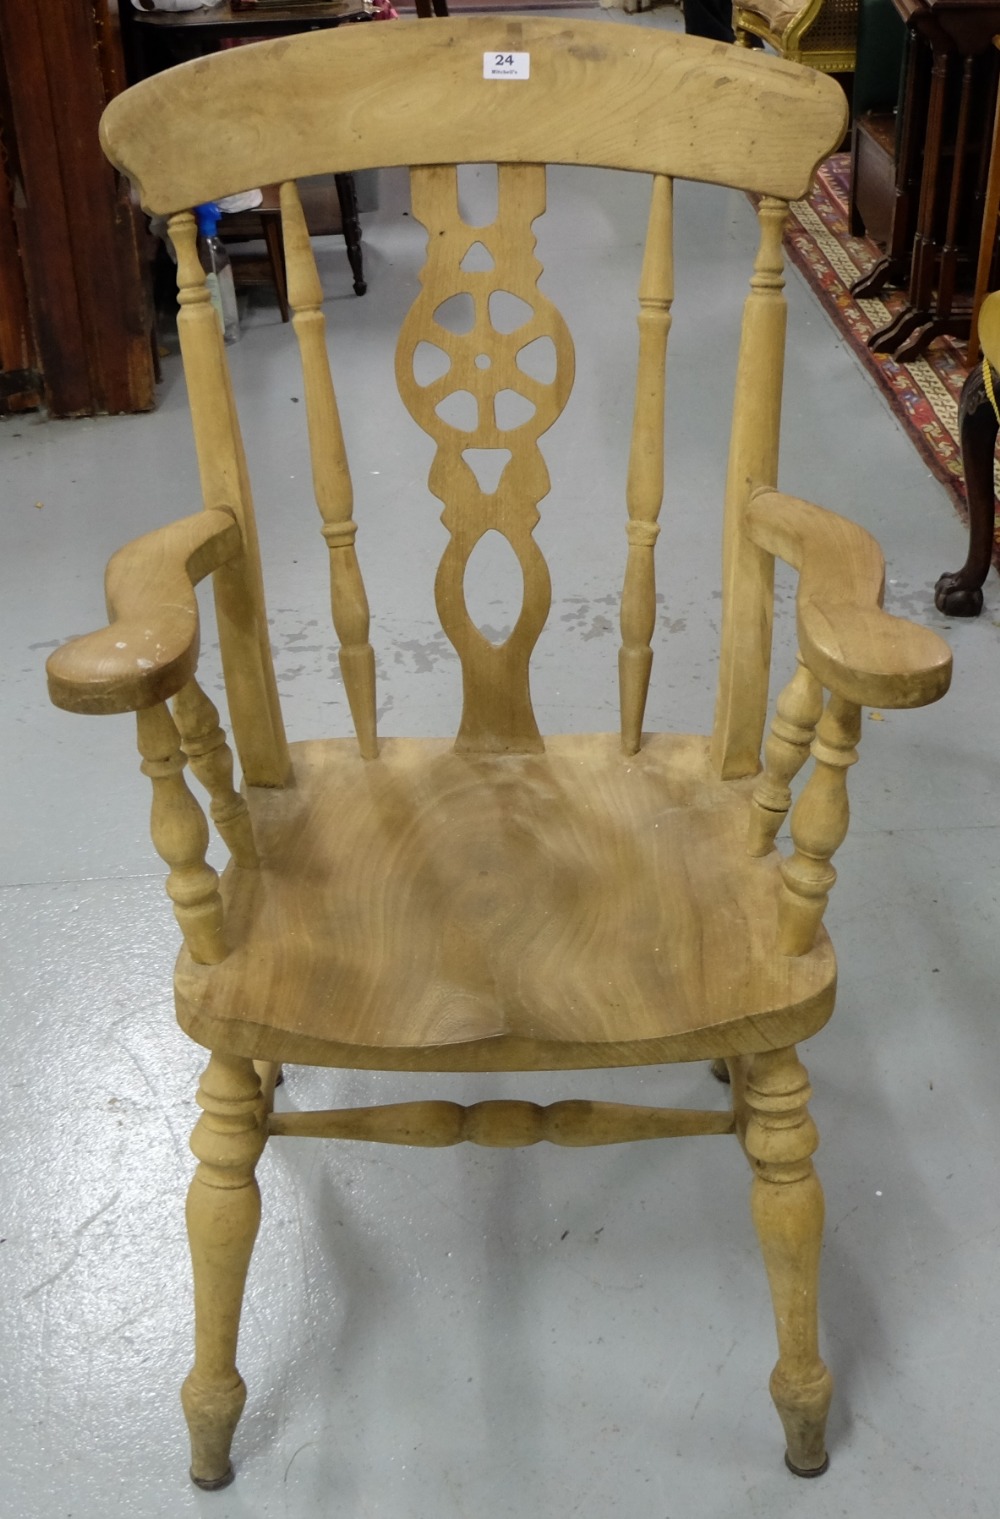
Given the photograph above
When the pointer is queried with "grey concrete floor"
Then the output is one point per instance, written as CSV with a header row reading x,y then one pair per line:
x,y
430,1334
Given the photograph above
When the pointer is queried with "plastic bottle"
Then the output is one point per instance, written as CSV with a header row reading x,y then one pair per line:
x,y
218,270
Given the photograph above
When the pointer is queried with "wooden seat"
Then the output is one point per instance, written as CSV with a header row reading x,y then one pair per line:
x,y
497,901
592,967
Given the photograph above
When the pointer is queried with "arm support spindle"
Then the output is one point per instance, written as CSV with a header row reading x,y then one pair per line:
x,y
180,837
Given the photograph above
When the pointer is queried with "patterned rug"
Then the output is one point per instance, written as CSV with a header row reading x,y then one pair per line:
x,y
923,394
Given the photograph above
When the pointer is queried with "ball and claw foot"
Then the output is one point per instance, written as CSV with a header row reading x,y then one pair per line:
x,y
956,599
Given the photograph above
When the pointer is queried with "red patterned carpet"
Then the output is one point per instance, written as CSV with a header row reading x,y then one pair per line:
x,y
924,394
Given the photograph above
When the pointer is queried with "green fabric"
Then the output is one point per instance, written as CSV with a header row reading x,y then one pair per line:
x,y
881,42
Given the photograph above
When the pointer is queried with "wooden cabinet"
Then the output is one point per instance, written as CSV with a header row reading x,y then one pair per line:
x,y
77,324
936,156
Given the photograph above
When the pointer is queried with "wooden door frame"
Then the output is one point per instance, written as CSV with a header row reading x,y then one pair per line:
x,y
78,235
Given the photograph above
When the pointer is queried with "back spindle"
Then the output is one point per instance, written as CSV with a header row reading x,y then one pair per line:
x,y
747,570
225,483
645,470
330,471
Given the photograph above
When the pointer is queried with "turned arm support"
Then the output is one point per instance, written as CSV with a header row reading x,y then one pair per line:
x,y
150,649
850,644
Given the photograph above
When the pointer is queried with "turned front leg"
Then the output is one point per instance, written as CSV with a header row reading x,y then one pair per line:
x,y
787,1207
223,1214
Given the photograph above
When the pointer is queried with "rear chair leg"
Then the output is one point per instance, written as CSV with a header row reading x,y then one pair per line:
x,y
223,1214
271,1076
787,1206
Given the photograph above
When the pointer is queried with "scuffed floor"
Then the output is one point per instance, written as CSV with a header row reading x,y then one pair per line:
x,y
474,1332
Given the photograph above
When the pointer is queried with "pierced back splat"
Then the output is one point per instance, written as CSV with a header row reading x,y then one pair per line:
x,y
497,715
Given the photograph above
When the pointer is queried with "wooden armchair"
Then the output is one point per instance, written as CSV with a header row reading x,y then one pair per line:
x,y
495,902
821,33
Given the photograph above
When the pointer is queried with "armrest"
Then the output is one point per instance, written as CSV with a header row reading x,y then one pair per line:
x,y
150,649
847,640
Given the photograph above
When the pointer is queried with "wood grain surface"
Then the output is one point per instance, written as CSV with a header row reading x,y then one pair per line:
x,y
502,901
411,94
150,649
598,909
847,640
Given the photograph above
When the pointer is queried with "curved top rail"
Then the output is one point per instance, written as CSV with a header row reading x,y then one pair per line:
x,y
598,93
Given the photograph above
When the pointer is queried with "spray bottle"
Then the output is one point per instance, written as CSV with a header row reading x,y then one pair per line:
x,y
218,270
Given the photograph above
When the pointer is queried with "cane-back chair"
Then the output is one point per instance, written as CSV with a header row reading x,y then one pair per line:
x,y
821,33
495,902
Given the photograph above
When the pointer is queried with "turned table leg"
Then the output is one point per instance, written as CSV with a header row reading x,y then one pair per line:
x,y
347,196
959,592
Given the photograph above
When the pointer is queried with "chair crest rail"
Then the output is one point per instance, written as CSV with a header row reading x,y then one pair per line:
x,y
624,98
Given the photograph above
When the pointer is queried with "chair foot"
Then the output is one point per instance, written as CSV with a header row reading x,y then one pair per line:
x,y
955,599
212,1414
801,1471
216,1484
803,1408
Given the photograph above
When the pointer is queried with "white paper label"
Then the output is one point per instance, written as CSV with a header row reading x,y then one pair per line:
x,y
506,65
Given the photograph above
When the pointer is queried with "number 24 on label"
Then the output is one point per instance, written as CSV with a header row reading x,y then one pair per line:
x,y
506,65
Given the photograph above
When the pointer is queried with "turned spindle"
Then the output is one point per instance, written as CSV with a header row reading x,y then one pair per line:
x,y
238,586
502,1123
208,754
644,492
331,473
180,836
798,710
819,826
747,570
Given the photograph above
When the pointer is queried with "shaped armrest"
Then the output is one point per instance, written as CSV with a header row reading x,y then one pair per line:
x,y
150,649
847,640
